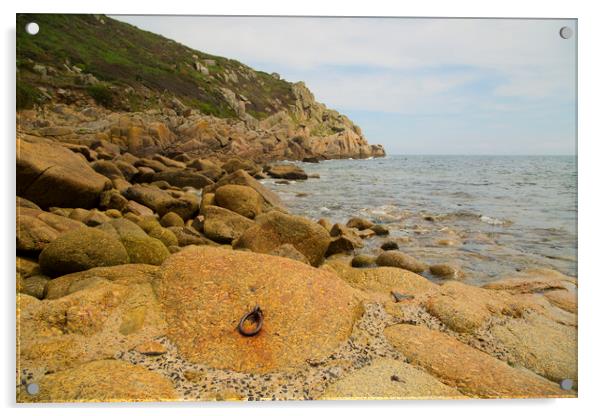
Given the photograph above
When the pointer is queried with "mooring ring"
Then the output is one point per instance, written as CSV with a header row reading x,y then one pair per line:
x,y
256,315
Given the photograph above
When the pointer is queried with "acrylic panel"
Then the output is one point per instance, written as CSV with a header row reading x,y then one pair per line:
x,y
295,208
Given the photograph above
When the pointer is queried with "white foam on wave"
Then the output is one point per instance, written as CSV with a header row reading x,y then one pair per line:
x,y
491,221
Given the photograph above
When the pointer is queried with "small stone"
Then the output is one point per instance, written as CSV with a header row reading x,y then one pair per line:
x,y
380,229
390,245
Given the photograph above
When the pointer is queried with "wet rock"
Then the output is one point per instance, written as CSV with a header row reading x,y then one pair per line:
x,y
102,381
286,172
446,271
289,251
363,260
389,379
359,223
401,260
205,291
243,200
50,175
389,245
171,219
380,229
276,228
224,226
471,371
81,249
326,224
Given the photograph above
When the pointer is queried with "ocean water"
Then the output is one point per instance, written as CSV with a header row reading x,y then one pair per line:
x,y
491,215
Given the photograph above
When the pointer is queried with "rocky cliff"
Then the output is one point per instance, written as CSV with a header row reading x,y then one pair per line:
x,y
86,78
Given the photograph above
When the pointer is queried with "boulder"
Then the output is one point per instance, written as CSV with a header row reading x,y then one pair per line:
x,y
128,170
162,202
189,236
108,169
243,200
182,178
446,271
389,245
276,228
540,344
35,286
224,226
401,260
36,229
155,165
465,308
270,199
171,219
363,260
380,229
96,320
50,175
112,199
389,379
27,267
140,247
533,280
286,172
82,249
289,251
125,274
169,162
25,203
102,381
471,371
360,223
381,281
234,164
205,291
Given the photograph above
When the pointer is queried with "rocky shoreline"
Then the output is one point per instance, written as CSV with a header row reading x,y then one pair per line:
x,y
134,270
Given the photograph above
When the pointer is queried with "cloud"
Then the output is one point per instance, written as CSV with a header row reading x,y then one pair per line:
x,y
488,71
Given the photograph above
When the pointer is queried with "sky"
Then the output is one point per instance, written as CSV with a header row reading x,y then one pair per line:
x,y
415,85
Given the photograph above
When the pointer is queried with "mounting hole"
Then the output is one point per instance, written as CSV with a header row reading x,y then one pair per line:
x,y
566,32
33,389
566,384
32,28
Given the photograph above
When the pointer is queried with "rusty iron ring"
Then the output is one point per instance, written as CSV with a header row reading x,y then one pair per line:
x,y
256,315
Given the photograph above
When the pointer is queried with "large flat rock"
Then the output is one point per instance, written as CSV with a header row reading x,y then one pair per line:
x,y
205,291
471,371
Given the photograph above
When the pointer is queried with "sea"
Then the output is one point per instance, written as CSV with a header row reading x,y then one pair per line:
x,y
490,215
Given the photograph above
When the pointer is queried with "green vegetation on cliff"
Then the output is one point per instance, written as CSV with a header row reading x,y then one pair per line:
x,y
132,69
